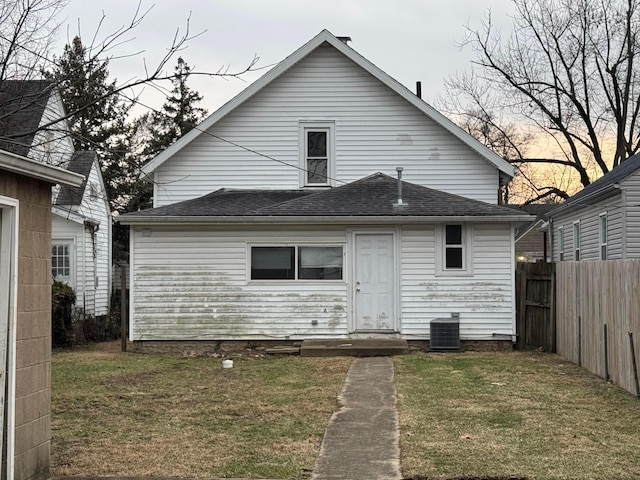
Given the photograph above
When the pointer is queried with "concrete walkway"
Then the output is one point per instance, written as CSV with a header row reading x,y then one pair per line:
x,y
362,440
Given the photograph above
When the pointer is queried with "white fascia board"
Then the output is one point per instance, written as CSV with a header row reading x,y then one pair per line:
x,y
68,214
325,36
532,226
41,171
324,220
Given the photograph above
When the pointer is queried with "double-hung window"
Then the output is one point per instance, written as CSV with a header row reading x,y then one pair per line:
x,y
561,243
61,262
454,255
576,240
317,154
603,235
454,248
296,262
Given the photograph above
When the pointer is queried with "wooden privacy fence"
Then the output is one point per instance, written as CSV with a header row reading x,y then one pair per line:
x,y
596,301
535,319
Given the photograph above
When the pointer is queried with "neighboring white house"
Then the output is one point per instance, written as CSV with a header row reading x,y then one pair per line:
x,y
81,236
281,217
81,228
602,221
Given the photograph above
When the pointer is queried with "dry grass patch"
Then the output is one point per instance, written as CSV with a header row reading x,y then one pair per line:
x,y
496,415
118,414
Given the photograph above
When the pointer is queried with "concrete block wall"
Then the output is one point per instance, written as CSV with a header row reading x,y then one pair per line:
x,y
33,333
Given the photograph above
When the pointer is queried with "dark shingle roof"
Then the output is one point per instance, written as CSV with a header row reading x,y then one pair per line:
x,y
373,196
81,163
540,210
607,181
22,104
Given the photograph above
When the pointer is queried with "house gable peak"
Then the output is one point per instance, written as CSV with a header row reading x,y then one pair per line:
x,y
325,37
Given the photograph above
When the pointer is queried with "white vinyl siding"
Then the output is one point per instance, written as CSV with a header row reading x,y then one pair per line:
x,y
484,301
375,131
96,208
194,285
589,218
631,200
92,281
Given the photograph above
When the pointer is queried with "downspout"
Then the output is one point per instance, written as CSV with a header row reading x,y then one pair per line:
x,y
84,269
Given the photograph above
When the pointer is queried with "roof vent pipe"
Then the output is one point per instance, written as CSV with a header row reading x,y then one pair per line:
x,y
419,89
399,202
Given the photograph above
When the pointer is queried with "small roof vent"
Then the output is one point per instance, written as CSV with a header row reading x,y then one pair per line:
x,y
400,202
344,40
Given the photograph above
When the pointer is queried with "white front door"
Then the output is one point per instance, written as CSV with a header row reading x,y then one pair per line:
x,y
374,283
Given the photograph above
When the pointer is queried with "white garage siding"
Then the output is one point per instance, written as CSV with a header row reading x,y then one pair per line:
x,y
192,285
375,130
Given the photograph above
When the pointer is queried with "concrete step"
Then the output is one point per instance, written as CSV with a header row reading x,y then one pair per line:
x,y
354,347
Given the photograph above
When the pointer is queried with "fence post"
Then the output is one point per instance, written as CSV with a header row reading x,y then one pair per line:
x,y
579,340
552,309
123,307
606,354
635,365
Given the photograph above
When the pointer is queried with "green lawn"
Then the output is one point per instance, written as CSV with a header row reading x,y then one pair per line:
x,y
520,414
148,415
484,415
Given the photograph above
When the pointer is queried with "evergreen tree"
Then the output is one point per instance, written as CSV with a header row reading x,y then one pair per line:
x,y
179,113
158,130
99,120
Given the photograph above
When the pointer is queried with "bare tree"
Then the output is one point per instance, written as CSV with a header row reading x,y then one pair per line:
x,y
565,79
28,29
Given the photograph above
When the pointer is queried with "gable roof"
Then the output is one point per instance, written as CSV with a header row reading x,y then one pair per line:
x,y
81,162
540,210
609,182
326,37
22,105
371,199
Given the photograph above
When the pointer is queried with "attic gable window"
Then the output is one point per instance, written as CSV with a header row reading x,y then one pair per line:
x,y
317,160
317,154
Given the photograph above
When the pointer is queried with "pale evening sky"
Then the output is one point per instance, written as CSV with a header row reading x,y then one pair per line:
x,y
411,40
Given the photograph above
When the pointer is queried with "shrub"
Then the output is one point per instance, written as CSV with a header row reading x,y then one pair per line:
x,y
63,298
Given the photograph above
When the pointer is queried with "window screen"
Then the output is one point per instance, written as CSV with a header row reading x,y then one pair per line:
x,y
320,262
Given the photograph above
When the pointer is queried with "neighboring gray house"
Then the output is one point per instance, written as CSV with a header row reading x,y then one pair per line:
x,y
602,221
81,229
532,238
281,218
